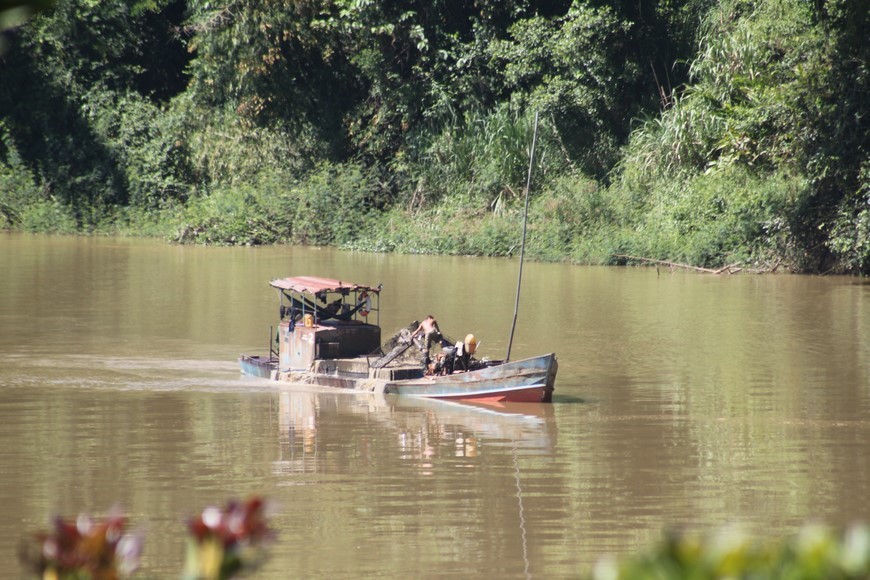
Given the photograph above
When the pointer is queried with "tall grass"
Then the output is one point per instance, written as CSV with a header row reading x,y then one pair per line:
x,y
479,160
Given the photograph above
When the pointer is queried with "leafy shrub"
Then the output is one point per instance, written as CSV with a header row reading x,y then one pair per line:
x,y
148,144
718,217
478,162
815,552
328,206
18,187
333,204
574,70
231,216
573,209
850,232
457,232
48,216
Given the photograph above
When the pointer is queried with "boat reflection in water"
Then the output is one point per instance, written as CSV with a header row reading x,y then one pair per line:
x,y
297,422
319,428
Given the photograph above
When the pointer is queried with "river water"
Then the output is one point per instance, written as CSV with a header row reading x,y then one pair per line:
x,y
682,400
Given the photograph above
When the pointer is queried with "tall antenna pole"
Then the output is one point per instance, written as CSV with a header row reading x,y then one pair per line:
x,y
523,245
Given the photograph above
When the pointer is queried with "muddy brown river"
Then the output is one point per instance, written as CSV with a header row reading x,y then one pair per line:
x,y
682,400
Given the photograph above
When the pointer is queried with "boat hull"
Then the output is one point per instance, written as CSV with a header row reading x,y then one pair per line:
x,y
532,394
530,380
524,381
258,366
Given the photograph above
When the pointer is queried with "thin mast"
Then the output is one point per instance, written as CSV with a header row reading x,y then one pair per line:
x,y
523,245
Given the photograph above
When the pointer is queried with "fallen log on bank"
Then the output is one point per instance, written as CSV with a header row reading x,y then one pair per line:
x,y
727,269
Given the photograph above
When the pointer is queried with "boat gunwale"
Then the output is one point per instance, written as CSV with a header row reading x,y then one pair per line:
x,y
481,392
476,377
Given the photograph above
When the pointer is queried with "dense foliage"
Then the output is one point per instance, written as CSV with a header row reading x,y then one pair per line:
x,y
699,131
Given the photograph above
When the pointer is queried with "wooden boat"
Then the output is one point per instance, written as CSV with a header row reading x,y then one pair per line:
x,y
525,381
329,334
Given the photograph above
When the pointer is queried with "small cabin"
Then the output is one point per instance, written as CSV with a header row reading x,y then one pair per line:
x,y
325,319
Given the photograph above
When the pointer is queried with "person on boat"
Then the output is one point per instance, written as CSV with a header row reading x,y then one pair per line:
x,y
333,307
441,365
431,333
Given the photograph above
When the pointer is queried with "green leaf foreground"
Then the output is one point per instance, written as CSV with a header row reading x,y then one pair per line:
x,y
226,542
814,553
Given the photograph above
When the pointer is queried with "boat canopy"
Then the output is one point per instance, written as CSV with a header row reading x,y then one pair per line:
x,y
316,285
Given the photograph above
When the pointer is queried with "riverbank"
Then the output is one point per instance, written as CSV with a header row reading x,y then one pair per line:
x,y
552,236
729,218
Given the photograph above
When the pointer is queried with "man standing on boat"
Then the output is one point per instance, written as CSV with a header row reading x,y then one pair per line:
x,y
431,333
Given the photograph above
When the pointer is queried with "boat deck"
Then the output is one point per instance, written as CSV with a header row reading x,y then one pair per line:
x,y
359,368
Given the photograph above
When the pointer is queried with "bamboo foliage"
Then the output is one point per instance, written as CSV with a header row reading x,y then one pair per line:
x,y
741,102
481,159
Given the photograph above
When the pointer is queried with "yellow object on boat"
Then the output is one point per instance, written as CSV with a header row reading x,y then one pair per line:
x,y
470,343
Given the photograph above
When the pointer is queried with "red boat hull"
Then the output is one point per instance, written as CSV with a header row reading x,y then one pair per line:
x,y
527,395
525,381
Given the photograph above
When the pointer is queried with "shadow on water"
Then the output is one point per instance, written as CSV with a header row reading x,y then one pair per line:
x,y
568,399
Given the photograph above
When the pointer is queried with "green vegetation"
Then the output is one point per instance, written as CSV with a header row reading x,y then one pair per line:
x,y
814,553
233,541
697,131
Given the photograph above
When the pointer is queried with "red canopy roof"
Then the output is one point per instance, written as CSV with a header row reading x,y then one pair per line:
x,y
314,285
